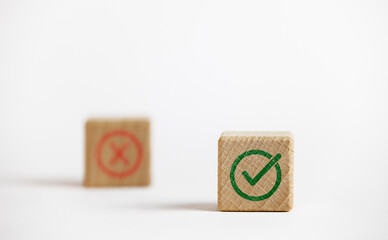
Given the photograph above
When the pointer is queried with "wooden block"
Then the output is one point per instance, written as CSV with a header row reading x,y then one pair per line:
x,y
117,152
255,171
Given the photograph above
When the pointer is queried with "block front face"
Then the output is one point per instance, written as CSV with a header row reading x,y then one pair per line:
x,y
255,171
117,152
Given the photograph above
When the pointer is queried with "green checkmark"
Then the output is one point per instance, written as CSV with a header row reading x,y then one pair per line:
x,y
252,181
263,171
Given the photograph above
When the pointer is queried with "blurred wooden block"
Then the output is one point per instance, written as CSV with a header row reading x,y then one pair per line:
x,y
117,152
255,171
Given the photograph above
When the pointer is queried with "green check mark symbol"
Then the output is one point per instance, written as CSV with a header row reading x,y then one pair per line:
x,y
253,181
273,162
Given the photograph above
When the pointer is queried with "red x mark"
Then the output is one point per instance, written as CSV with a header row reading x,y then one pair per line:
x,y
131,142
119,153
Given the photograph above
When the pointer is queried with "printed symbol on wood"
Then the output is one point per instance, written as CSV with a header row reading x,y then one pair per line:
x,y
252,181
119,153
114,148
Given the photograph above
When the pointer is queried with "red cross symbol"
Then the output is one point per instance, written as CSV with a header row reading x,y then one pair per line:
x,y
130,141
119,153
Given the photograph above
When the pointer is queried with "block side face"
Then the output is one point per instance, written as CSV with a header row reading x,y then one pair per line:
x,y
230,149
117,153
220,176
290,203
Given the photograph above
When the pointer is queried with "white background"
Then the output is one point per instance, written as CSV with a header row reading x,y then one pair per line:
x,y
196,68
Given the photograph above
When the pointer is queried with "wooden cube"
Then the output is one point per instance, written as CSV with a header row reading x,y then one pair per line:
x,y
255,171
117,152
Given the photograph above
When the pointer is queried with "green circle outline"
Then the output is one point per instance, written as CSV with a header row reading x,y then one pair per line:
x,y
233,180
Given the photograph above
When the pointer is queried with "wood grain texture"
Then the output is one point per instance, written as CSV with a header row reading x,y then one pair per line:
x,y
117,152
230,146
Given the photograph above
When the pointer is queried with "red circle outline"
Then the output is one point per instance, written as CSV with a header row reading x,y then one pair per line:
x,y
138,159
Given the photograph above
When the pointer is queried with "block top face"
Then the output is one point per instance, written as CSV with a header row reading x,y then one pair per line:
x,y
116,120
257,134
255,171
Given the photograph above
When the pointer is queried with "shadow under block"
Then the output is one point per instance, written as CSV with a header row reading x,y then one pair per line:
x,y
117,152
255,171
